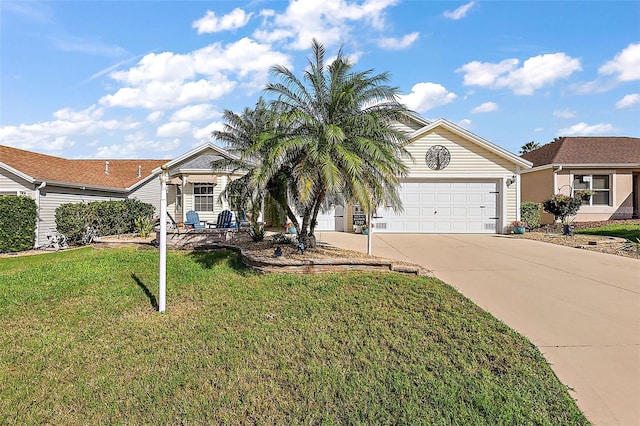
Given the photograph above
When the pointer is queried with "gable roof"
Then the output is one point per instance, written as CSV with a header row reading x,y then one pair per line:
x,y
35,167
464,133
587,150
196,152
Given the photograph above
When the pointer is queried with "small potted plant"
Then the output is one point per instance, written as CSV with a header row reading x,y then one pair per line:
x,y
519,226
290,229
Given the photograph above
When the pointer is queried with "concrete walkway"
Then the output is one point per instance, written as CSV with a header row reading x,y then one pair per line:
x,y
580,308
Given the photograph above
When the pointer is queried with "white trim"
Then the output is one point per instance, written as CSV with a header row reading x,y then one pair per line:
x,y
441,122
612,185
589,166
538,168
518,193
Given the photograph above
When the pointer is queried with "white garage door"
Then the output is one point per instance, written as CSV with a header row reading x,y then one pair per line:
x,y
443,207
331,220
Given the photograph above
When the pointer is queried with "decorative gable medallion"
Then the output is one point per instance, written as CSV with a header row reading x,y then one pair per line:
x,y
437,157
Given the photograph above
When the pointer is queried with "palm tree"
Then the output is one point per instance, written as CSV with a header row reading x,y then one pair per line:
x,y
335,136
528,147
250,135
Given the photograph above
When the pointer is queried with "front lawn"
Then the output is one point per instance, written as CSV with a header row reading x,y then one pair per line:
x,y
81,343
630,231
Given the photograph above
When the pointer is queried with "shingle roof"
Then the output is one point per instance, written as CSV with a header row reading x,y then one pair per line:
x,y
122,174
587,150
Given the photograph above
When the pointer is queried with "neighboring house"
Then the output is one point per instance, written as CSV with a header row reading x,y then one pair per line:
x,y
53,181
457,183
608,166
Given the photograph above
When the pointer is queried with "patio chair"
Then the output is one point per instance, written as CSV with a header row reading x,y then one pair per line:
x,y
193,220
224,220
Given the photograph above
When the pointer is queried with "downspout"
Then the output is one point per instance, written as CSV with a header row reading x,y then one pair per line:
x,y
42,185
518,194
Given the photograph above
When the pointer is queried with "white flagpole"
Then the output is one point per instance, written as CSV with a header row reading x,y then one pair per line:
x,y
163,240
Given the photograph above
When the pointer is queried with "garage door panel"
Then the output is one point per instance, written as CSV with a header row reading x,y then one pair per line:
x,y
412,198
429,198
443,198
443,207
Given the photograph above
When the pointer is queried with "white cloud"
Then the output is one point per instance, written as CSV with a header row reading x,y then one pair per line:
x,y
136,146
174,129
460,12
198,112
425,96
538,129
625,65
166,80
210,23
485,74
565,113
205,132
535,73
485,107
326,20
628,101
398,43
465,122
55,135
155,116
585,129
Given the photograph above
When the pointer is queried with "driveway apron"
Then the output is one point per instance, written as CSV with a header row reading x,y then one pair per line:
x,y
580,308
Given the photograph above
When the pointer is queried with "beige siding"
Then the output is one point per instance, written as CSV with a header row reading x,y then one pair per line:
x,y
512,207
11,184
188,200
467,158
149,192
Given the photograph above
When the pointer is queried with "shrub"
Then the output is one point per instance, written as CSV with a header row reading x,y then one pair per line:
x,y
18,217
281,238
77,220
562,206
72,220
144,226
256,231
530,213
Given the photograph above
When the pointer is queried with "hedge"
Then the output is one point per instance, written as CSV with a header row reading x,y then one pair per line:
x,y
104,217
18,215
530,213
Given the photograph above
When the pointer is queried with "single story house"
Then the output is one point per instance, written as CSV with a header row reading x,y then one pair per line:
x,y
457,183
53,181
608,166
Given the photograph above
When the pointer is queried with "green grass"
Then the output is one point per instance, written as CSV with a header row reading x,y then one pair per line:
x,y
81,343
630,231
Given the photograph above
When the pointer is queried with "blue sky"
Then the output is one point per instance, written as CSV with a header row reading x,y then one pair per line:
x,y
149,79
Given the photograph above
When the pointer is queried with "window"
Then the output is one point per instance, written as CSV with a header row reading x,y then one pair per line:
x,y
178,197
599,184
203,197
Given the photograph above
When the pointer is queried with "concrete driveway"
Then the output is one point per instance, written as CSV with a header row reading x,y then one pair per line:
x,y
580,308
